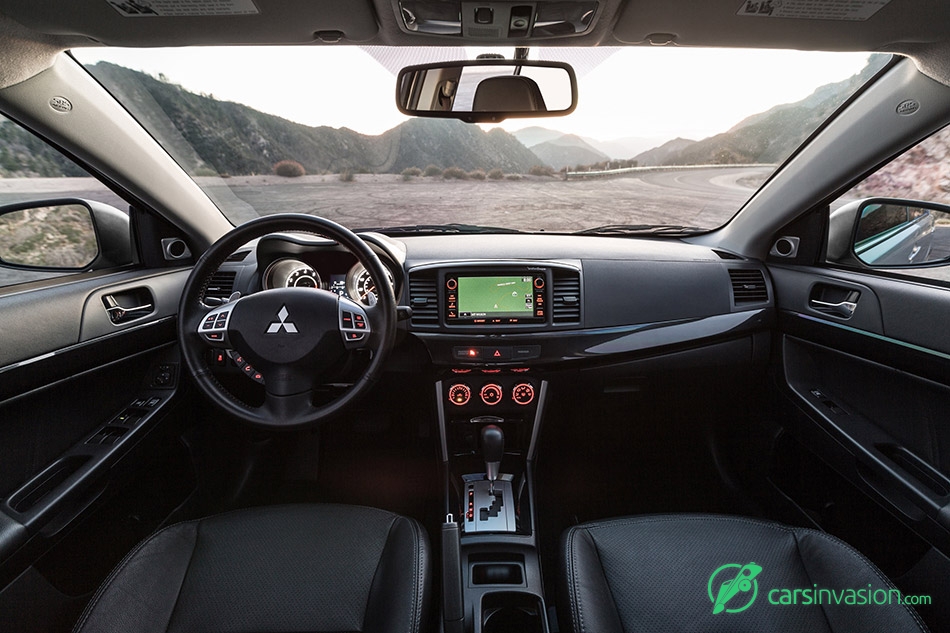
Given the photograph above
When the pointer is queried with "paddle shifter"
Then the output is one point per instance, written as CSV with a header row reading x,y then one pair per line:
x,y
493,448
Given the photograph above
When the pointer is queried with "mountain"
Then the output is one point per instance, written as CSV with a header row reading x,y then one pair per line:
x,y
448,143
23,155
207,136
665,152
770,136
623,148
567,151
535,135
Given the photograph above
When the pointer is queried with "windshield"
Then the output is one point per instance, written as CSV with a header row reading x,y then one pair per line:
x,y
661,136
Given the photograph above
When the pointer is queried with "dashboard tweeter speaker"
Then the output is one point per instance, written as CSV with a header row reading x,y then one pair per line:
x,y
785,246
175,249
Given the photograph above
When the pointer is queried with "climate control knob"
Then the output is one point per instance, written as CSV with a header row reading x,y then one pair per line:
x,y
523,393
460,394
491,394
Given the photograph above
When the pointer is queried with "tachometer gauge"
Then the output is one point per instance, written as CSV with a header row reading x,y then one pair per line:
x,y
291,273
359,283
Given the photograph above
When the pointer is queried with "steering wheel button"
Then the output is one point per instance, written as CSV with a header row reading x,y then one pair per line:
x,y
354,336
360,325
215,336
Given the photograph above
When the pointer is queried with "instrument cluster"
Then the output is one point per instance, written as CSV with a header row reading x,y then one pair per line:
x,y
353,283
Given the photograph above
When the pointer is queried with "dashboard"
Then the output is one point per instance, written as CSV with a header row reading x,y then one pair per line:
x,y
536,301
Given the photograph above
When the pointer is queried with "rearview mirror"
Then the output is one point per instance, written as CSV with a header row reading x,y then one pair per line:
x,y
487,90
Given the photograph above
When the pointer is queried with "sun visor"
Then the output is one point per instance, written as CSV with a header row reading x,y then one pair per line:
x,y
846,25
198,22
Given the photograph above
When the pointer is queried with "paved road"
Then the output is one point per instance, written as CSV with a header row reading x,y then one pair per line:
x,y
700,197
703,197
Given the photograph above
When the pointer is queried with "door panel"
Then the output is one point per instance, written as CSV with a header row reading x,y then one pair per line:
x,y
89,410
874,388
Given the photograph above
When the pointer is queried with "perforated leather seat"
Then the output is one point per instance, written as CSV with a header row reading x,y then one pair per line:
x,y
673,573
288,568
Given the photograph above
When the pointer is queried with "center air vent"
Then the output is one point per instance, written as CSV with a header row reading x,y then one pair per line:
x,y
220,286
748,286
566,300
423,298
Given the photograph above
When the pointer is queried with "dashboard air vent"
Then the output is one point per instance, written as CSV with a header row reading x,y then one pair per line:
x,y
748,286
424,298
566,296
220,286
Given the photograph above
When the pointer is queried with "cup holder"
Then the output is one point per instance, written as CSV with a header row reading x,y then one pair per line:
x,y
512,612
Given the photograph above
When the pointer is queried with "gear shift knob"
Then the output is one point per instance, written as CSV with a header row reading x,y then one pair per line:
x,y
493,448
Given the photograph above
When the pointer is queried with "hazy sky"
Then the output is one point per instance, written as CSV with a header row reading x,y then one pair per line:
x,y
656,93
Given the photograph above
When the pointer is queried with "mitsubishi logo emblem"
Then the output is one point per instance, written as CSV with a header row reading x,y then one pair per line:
x,y
282,322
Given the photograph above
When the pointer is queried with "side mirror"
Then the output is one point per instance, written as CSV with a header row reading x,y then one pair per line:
x,y
487,90
67,235
893,233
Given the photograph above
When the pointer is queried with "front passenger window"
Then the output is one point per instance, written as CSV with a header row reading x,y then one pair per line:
x,y
897,219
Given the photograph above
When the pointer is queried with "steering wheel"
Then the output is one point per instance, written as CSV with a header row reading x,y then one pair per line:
x,y
293,336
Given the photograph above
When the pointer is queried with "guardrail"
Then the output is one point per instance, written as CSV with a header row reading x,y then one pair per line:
x,y
604,173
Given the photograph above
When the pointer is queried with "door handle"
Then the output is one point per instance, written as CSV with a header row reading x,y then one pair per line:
x,y
119,313
843,309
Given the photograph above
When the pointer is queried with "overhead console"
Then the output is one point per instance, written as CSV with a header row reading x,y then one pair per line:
x,y
497,20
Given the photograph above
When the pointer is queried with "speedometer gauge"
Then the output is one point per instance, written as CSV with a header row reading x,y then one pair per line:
x,y
291,273
359,283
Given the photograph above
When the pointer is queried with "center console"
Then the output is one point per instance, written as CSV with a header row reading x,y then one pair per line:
x,y
490,327
489,420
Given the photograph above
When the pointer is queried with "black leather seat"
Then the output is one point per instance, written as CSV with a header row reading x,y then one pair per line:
x,y
659,573
286,568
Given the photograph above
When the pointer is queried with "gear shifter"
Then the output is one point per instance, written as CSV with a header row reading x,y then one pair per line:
x,y
493,448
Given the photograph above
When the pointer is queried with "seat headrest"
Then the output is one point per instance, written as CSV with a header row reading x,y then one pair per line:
x,y
512,93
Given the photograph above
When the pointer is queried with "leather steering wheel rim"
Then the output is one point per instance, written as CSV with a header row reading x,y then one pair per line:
x,y
277,414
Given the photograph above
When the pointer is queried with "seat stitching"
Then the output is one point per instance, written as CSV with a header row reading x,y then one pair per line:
x,y
871,567
115,572
379,563
801,559
770,524
578,612
194,548
420,581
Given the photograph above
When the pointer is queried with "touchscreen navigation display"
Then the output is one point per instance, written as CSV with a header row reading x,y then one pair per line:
x,y
496,297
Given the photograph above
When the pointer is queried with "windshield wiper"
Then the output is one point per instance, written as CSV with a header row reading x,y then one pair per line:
x,y
439,229
671,230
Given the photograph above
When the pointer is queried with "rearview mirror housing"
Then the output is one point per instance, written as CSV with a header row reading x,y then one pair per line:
x,y
487,90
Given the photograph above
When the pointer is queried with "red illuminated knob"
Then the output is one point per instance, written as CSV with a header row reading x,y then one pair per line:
x,y
523,393
539,282
451,284
491,394
459,394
